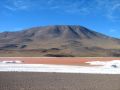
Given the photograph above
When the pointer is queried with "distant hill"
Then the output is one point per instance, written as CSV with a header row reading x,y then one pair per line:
x,y
59,40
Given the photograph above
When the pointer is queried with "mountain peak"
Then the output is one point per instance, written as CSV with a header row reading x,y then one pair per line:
x,y
66,38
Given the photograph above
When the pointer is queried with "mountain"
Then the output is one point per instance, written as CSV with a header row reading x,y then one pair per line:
x,y
59,40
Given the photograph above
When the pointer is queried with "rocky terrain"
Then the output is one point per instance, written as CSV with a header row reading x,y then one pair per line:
x,y
58,41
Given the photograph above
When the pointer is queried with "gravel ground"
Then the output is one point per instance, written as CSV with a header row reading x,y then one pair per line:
x,y
57,81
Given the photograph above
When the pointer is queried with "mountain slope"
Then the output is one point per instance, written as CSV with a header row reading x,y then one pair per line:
x,y
61,40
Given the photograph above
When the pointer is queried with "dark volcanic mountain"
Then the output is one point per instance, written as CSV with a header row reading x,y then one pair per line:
x,y
61,40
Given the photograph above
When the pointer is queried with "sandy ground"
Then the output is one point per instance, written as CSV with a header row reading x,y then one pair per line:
x,y
57,81
61,60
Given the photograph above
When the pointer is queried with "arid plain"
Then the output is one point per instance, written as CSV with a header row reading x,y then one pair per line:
x,y
58,81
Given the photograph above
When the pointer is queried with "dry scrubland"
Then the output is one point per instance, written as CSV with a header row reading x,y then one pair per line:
x,y
56,81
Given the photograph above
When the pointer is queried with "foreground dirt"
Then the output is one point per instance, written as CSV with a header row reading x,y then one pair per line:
x,y
56,81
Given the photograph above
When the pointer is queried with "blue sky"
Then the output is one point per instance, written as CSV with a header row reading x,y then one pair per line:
x,y
99,15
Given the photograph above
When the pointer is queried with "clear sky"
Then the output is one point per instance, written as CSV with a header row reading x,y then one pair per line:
x,y
99,15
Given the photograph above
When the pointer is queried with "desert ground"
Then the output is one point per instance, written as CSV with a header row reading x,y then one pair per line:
x,y
50,80
57,81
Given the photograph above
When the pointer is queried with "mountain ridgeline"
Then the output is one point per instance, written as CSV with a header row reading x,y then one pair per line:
x,y
58,41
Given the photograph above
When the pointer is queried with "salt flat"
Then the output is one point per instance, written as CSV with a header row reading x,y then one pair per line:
x,y
112,67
